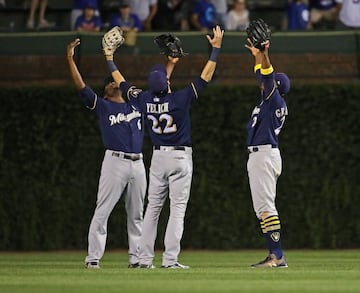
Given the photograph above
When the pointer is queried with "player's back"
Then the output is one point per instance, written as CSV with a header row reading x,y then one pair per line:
x,y
168,117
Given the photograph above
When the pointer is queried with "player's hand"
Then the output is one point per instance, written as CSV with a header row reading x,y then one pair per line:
x,y
71,47
254,51
173,60
216,40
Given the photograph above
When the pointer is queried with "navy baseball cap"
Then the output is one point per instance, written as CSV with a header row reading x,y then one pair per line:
x,y
124,3
283,83
157,78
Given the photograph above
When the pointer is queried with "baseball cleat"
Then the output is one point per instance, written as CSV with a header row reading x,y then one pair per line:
x,y
271,261
92,265
176,266
144,266
133,265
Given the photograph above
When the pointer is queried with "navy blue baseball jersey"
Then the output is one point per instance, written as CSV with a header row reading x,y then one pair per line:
x,y
120,123
268,117
167,117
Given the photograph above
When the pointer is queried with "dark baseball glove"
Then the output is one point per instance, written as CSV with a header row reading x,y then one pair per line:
x,y
169,45
259,33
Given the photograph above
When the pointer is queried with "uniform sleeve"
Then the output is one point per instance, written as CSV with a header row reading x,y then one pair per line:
x,y
197,86
268,82
131,94
90,98
191,93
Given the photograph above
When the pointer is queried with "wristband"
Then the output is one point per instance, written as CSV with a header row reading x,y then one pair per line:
x,y
112,66
214,54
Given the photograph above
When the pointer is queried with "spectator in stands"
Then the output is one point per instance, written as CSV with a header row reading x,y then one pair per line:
x,y
43,23
145,10
128,22
323,14
173,15
297,15
349,16
78,8
2,3
221,8
203,16
88,21
238,17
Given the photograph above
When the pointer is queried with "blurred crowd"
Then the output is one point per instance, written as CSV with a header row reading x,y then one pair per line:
x,y
145,15
322,14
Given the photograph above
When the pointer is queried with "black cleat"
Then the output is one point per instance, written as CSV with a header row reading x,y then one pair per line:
x,y
144,266
92,265
133,265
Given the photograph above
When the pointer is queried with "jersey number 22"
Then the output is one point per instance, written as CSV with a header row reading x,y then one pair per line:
x,y
170,127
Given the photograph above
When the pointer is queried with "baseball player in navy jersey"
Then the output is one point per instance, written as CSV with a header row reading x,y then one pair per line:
x,y
122,169
168,119
264,163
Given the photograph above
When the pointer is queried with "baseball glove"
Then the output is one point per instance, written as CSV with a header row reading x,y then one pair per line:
x,y
169,45
112,40
259,33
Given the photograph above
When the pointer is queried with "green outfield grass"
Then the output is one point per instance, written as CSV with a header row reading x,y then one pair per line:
x,y
211,271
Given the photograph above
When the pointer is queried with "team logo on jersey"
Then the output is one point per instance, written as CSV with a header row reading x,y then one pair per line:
x,y
120,117
157,108
133,92
275,236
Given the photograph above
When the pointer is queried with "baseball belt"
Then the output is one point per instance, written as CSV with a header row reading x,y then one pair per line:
x,y
254,149
132,157
169,148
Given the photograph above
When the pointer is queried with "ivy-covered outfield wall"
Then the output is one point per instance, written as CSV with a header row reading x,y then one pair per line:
x,y
50,156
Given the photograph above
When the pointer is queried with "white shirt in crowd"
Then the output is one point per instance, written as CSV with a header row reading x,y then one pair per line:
x,y
236,22
350,12
220,6
141,7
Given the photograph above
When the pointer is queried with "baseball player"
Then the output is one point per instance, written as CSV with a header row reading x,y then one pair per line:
x,y
168,119
122,168
264,163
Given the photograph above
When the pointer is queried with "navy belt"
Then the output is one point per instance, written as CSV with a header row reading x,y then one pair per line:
x,y
174,148
126,156
254,149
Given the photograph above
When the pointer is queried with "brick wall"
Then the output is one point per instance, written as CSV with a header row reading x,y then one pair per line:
x,y
302,68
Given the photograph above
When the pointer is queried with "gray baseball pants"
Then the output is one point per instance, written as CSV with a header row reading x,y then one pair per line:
x,y
264,168
118,175
170,174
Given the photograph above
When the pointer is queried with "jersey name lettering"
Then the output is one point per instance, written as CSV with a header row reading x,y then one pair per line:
x,y
281,112
157,108
117,119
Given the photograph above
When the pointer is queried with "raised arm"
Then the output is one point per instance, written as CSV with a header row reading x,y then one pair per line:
x,y
215,42
170,65
115,73
265,59
74,72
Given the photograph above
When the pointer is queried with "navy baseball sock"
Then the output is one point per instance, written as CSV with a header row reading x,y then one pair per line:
x,y
271,229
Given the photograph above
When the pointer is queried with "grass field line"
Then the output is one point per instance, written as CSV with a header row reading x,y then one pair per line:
x,y
211,271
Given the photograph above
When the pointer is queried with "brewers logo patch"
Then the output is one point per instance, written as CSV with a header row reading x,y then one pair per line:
x,y
275,236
